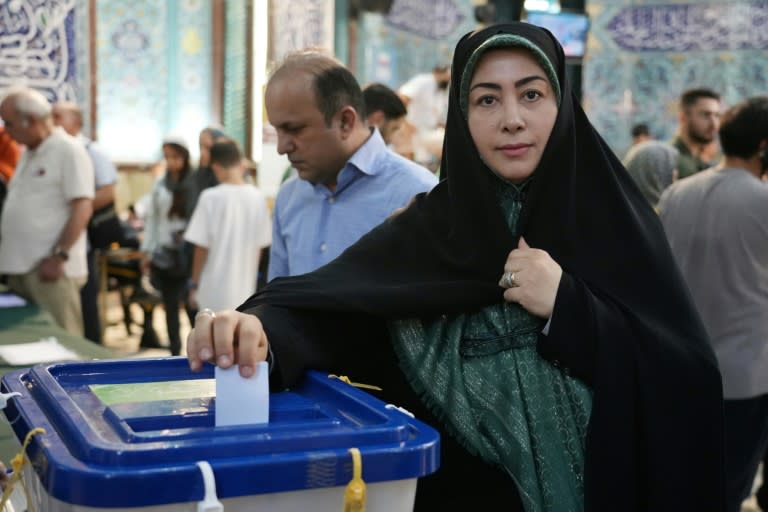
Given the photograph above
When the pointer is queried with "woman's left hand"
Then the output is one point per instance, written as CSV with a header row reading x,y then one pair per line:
x,y
531,278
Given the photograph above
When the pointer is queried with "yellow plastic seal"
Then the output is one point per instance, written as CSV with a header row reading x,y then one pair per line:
x,y
17,463
344,378
354,494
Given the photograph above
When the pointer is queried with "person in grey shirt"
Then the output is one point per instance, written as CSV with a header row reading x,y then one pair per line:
x,y
717,225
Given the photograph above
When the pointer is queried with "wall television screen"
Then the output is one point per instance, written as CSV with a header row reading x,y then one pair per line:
x,y
568,27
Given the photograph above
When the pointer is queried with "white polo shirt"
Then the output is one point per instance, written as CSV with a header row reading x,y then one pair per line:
x,y
427,105
37,207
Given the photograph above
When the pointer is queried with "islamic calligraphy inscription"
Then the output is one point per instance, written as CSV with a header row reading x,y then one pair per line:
x,y
434,19
703,27
37,45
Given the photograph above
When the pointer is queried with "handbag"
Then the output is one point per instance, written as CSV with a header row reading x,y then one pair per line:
x,y
105,228
169,262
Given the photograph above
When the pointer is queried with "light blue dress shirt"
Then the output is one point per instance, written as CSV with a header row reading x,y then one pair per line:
x,y
313,225
104,170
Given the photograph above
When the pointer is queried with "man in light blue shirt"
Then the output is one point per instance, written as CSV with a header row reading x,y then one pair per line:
x,y
347,182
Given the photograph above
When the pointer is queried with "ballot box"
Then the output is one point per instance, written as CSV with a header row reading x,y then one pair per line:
x,y
139,434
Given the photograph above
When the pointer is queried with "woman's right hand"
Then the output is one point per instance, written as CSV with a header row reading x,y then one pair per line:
x,y
226,338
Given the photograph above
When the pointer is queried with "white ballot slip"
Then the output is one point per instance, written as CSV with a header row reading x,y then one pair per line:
x,y
242,401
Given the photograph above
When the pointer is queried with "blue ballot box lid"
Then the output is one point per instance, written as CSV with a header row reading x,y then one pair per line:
x,y
136,453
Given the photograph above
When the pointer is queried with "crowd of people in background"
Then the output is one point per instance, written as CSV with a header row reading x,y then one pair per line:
x,y
364,167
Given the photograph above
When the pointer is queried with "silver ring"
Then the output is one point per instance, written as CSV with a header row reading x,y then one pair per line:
x,y
508,280
205,312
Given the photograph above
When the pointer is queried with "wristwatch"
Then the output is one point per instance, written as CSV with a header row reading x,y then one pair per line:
x,y
59,252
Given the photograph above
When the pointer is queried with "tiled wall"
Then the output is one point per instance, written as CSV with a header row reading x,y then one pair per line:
x,y
43,44
413,37
642,54
235,71
154,61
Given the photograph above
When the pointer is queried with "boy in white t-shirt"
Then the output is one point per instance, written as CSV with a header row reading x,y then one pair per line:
x,y
230,226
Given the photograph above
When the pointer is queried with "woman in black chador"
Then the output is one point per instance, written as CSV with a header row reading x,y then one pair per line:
x,y
528,307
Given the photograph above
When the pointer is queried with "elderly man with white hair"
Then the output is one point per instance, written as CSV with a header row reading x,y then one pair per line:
x,y
49,202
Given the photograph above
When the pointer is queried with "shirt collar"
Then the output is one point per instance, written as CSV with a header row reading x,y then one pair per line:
x,y
364,159
46,142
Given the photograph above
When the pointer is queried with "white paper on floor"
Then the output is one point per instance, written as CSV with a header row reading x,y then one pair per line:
x,y
45,350
11,300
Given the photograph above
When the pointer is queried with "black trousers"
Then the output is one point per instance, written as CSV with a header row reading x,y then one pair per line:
x,y
89,300
174,292
762,492
746,438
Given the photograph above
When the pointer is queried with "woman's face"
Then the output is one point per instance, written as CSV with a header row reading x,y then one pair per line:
x,y
511,111
174,159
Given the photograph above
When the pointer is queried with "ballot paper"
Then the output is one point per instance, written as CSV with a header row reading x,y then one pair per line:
x,y
241,401
45,350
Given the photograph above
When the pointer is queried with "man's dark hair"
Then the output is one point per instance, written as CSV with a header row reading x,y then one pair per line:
x,y
640,129
226,153
744,126
380,97
691,96
335,88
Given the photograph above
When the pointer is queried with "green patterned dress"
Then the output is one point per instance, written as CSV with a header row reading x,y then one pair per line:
x,y
481,374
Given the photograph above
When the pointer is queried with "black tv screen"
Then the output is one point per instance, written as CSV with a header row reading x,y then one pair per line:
x,y
568,27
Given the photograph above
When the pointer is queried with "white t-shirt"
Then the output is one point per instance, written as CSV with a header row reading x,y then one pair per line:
x,y
233,223
426,106
37,207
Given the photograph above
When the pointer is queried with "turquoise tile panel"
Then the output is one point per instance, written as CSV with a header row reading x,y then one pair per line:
x,y
154,61
235,72
642,54
413,37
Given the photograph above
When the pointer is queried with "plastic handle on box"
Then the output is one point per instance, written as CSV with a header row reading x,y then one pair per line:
x,y
210,501
5,396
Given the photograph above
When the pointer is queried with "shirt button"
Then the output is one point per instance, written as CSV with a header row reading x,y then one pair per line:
x,y
331,200
323,247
